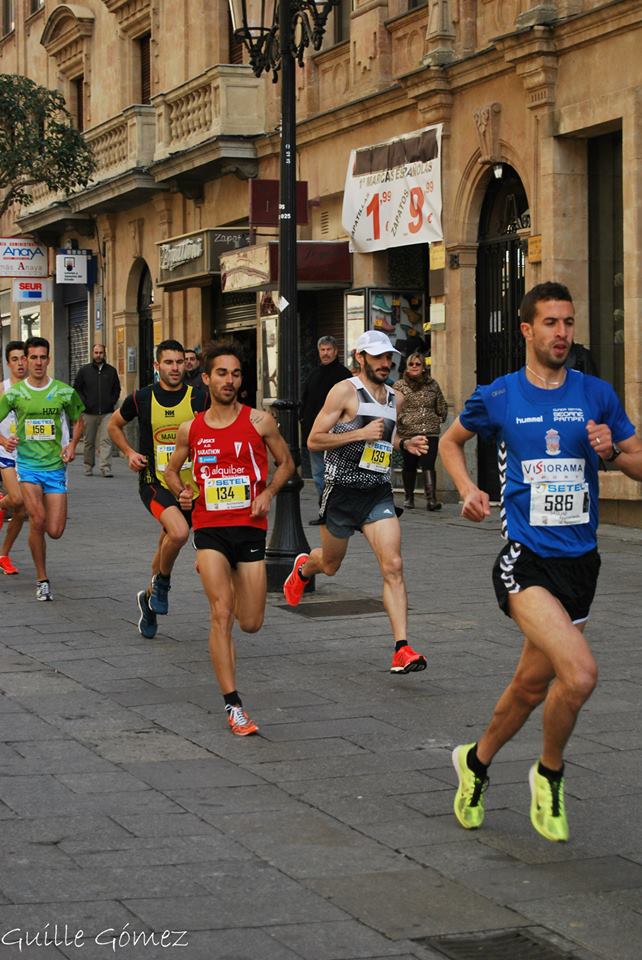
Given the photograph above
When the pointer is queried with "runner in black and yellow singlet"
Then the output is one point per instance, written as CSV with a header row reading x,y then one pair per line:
x,y
160,409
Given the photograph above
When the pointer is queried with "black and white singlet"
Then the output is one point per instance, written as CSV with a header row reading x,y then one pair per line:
x,y
365,463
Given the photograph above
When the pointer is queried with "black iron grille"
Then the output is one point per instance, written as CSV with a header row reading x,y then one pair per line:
x,y
505,945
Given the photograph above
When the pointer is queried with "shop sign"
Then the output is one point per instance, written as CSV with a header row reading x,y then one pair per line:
x,y
535,249
32,290
20,257
319,264
71,266
194,258
392,194
247,269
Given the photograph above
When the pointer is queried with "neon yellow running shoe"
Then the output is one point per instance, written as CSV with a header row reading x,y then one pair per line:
x,y
469,799
547,806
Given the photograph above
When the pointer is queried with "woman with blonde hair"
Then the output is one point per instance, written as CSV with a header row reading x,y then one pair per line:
x,y
421,410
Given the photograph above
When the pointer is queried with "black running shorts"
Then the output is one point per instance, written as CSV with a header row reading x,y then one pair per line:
x,y
347,509
157,498
572,580
237,544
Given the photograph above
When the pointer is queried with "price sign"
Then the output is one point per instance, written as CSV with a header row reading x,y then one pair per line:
x,y
392,192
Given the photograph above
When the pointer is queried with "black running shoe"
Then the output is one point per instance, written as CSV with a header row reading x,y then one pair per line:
x,y
147,625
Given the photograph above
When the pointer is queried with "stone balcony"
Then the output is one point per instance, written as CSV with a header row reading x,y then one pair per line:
x,y
121,145
125,142
225,101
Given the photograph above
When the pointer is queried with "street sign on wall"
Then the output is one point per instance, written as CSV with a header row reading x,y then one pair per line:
x,y
21,257
33,291
392,195
71,266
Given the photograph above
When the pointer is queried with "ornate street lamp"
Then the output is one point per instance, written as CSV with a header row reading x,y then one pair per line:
x,y
276,33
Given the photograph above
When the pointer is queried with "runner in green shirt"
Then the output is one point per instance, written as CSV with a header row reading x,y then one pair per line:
x,y
42,450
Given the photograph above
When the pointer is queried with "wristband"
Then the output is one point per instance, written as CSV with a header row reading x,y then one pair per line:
x,y
402,444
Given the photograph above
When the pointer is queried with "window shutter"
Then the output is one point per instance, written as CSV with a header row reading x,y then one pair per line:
x,y
144,44
235,47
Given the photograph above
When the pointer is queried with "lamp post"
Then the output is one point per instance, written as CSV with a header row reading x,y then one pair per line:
x,y
276,33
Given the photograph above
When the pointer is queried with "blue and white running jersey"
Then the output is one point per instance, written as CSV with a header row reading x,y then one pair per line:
x,y
547,467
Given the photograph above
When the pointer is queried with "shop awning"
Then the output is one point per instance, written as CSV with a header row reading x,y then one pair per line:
x,y
320,265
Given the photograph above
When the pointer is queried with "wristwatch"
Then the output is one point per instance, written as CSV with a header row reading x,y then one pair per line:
x,y
402,444
616,453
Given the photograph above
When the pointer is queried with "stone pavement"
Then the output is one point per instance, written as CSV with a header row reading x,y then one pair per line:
x,y
126,807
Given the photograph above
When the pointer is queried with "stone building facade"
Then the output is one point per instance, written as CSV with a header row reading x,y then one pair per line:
x,y
540,107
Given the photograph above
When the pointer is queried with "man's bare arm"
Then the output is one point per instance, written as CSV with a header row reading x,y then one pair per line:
x,y
340,401
69,452
266,426
183,493
136,461
451,450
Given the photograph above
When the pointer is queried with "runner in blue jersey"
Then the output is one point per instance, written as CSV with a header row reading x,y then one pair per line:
x,y
552,426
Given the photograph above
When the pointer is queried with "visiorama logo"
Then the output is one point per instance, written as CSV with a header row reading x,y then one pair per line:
x,y
565,471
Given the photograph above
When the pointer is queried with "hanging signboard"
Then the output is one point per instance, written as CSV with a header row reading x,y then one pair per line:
x,y
392,195
193,259
20,257
32,290
71,266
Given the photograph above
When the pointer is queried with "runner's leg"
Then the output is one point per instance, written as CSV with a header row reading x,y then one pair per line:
x,y
216,576
328,557
56,514
384,537
15,501
250,590
176,534
33,498
556,666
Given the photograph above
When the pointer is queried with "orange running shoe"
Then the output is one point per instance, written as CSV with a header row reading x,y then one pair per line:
x,y
294,586
7,567
407,660
239,722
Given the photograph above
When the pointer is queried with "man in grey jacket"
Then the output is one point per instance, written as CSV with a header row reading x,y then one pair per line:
x,y
98,385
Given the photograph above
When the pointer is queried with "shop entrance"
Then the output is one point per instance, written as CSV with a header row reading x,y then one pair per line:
x,y
236,320
145,328
501,258
247,339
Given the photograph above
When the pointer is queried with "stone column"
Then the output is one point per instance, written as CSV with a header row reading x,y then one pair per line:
x,y
440,35
370,46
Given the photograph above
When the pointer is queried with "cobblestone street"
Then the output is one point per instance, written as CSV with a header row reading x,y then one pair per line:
x,y
127,807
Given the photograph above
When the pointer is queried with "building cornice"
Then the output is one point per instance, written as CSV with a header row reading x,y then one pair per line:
x,y
134,16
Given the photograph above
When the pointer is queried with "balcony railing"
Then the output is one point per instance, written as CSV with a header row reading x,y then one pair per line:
x,y
223,101
124,142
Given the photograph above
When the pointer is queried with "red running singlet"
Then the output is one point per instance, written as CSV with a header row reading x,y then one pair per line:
x,y
230,468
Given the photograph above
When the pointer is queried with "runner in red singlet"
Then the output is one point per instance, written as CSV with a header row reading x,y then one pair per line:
x,y
227,445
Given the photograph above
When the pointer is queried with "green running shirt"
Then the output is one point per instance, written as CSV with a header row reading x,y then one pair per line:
x,y
39,412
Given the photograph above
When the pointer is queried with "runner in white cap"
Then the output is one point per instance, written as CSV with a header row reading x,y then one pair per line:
x,y
356,428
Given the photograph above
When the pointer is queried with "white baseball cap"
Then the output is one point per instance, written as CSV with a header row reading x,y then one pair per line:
x,y
375,343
